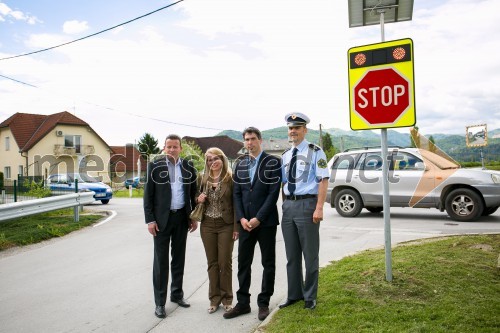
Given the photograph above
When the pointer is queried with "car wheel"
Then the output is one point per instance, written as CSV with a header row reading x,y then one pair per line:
x,y
464,205
374,209
105,201
348,203
126,186
489,210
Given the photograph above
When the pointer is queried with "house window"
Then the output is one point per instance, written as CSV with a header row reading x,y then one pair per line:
x,y
7,143
6,172
20,170
73,141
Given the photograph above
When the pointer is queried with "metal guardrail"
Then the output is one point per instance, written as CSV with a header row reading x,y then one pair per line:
x,y
25,208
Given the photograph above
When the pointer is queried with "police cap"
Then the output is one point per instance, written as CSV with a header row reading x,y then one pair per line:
x,y
296,119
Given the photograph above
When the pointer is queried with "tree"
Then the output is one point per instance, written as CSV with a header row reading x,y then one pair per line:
x,y
148,145
327,141
432,144
328,146
414,137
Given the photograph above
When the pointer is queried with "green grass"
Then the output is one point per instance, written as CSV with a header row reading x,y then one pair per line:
x,y
491,165
36,228
136,193
438,286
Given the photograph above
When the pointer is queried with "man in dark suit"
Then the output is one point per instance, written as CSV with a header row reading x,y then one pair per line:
x,y
169,198
257,180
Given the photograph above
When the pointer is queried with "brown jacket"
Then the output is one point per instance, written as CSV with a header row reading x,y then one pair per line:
x,y
228,214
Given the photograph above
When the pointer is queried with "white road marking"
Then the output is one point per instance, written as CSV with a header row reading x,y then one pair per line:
x,y
113,214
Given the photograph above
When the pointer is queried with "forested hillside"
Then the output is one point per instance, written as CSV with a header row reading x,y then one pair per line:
x,y
454,145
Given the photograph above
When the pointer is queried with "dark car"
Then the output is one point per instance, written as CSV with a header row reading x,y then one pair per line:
x,y
66,183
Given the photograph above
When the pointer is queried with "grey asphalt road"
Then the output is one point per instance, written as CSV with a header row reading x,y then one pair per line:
x,y
99,279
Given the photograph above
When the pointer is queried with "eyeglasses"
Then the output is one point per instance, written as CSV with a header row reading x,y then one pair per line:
x,y
213,159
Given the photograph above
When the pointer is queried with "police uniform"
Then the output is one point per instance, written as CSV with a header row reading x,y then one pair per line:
x,y
300,233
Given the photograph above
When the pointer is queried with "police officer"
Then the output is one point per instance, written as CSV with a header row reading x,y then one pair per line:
x,y
305,180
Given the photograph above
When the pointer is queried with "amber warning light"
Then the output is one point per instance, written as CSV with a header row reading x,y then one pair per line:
x,y
384,56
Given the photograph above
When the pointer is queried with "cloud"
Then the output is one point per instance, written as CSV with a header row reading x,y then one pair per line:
x,y
4,9
75,27
17,15
7,12
230,64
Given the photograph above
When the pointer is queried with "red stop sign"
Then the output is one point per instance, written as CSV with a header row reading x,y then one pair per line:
x,y
381,96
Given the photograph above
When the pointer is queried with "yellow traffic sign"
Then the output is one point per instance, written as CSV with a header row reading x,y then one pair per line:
x,y
381,85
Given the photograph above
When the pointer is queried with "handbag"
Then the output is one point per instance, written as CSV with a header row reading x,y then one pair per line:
x,y
198,211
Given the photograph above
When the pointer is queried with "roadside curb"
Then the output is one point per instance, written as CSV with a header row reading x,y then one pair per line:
x,y
262,325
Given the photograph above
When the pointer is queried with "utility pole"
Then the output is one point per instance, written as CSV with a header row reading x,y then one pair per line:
x,y
320,137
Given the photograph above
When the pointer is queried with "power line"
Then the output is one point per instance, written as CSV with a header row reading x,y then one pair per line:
x,y
114,110
97,105
94,34
21,82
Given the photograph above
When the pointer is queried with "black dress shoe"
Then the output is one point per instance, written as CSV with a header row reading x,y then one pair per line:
x,y
289,302
263,312
181,302
310,305
238,310
160,311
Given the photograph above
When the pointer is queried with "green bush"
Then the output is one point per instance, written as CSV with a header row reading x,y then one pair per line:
x,y
193,153
35,189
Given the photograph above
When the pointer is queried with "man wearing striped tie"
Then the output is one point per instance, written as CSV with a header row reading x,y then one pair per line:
x,y
305,180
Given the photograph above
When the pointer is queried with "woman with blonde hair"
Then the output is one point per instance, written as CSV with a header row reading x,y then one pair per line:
x,y
218,228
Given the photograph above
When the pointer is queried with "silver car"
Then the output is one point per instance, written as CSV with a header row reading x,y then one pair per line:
x,y
417,178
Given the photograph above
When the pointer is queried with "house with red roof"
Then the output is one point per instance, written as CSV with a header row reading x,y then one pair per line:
x,y
127,162
231,148
41,145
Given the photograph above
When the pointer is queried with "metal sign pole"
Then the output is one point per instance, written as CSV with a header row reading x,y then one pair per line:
x,y
482,158
385,184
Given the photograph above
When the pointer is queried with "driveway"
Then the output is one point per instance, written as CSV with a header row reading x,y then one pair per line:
x,y
99,279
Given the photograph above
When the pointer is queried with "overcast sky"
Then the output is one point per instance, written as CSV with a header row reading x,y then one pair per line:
x,y
229,64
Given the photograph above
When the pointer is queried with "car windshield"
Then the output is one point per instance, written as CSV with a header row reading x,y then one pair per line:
x,y
82,178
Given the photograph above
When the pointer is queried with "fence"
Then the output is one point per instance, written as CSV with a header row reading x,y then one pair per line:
x,y
29,188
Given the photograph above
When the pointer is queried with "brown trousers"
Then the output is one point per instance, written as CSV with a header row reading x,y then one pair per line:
x,y
217,238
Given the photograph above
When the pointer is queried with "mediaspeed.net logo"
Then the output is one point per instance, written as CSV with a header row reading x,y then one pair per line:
x,y
435,173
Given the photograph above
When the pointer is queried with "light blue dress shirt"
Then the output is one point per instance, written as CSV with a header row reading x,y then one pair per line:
x,y
254,162
176,183
311,169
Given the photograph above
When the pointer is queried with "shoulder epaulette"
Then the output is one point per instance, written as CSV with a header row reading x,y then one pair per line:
x,y
313,146
283,153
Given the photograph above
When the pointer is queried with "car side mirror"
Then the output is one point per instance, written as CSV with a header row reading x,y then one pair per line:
x,y
421,166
